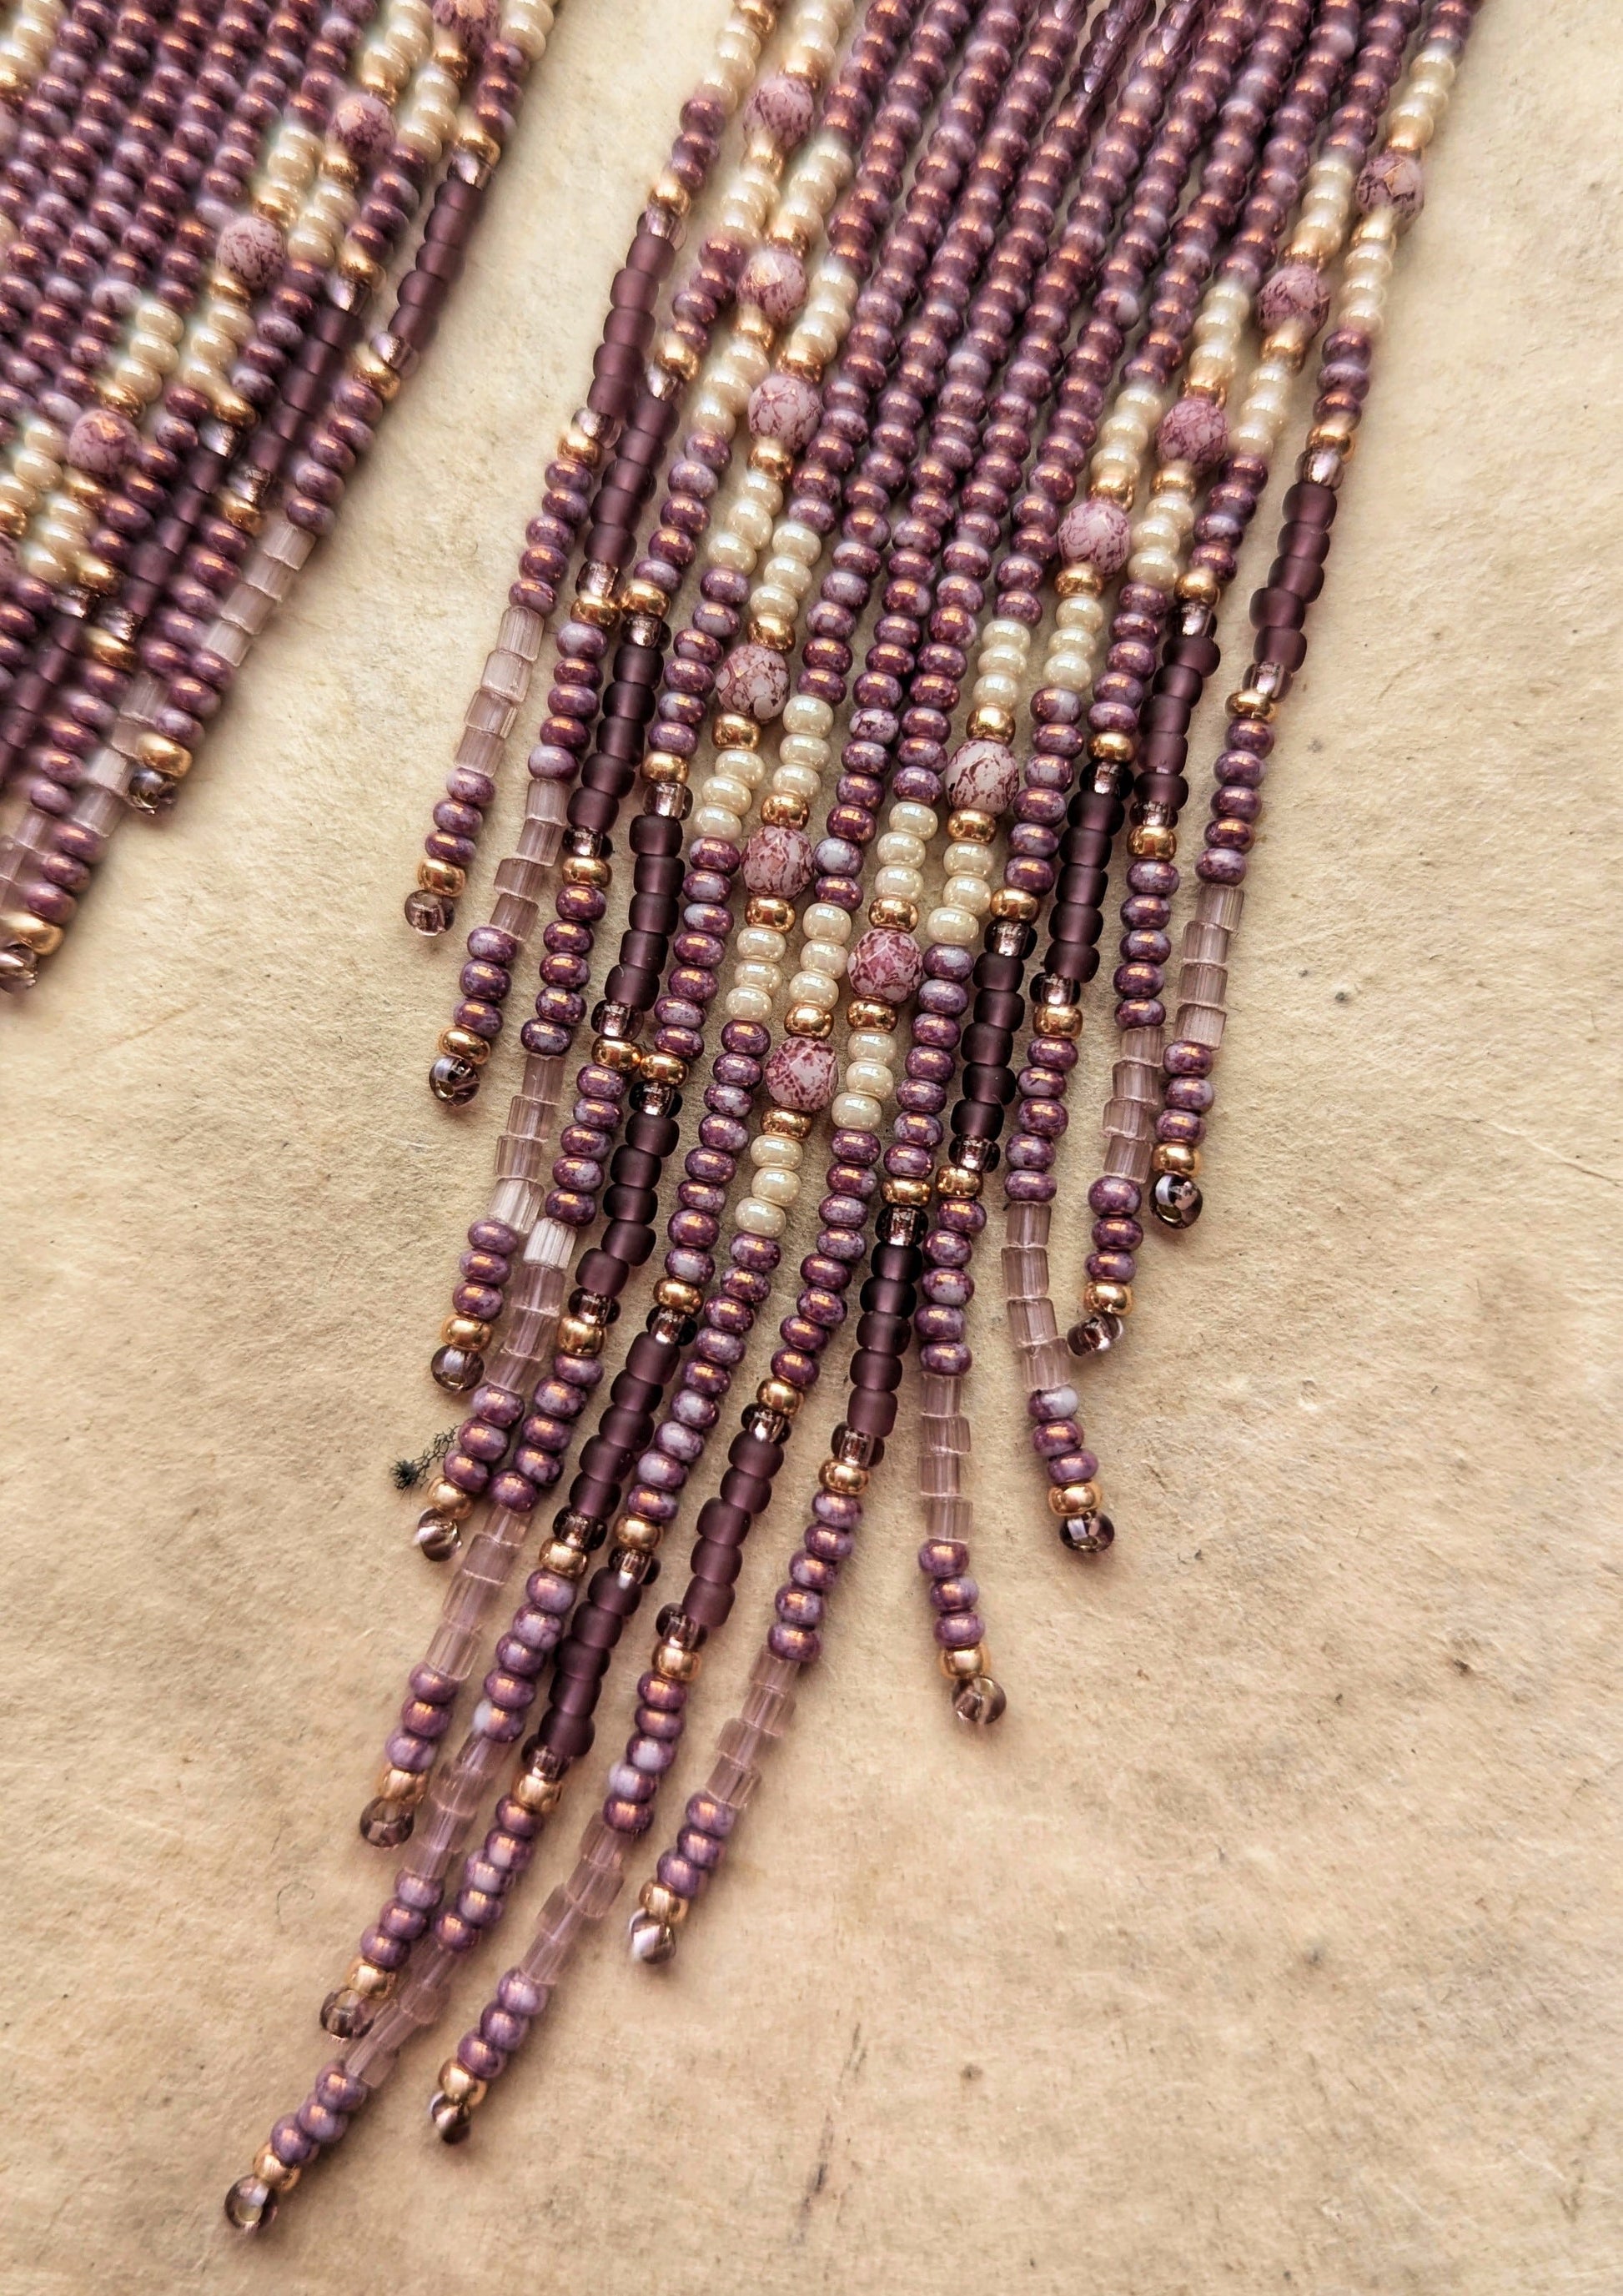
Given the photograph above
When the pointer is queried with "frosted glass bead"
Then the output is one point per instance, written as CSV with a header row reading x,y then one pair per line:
x,y
756,1217
857,1111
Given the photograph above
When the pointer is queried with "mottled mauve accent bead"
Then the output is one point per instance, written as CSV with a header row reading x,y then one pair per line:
x,y
1393,179
101,442
773,280
982,774
754,682
1194,431
785,408
885,964
1298,291
803,1075
1096,533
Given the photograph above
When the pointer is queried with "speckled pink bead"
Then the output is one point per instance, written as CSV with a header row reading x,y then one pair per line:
x,y
252,250
785,408
1194,431
781,107
102,442
1295,292
469,20
364,127
886,965
778,861
1098,534
982,774
802,1075
774,281
1393,179
753,681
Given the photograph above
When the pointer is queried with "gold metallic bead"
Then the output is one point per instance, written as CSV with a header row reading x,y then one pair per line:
x,y
1339,427
578,445
84,488
1062,1020
664,1904
33,932
271,2169
1079,582
462,1045
870,1012
1113,749
989,723
1175,478
13,522
578,1337
441,877
773,456
965,1665
665,765
106,647
562,1560
595,598
1115,487
1251,702
780,812
1153,841
639,1534
234,410
807,363
468,1332
444,1498
405,1787
773,630
337,168
13,79
906,1192
278,206
968,826
615,1053
451,56
844,1479
664,1068
808,1021
1199,585
1176,1156
157,750
478,144
1108,1299
641,596
732,731
670,194
1069,1500
786,1124
892,915
584,869
457,2083
94,574
777,1394
957,1181
354,263
371,1982
768,909
672,1663
670,1292
753,326
1007,902
678,357
539,1796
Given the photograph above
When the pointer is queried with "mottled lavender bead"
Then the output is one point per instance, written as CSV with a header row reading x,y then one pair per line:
x,y
101,442
753,681
1296,291
885,965
784,407
778,861
252,250
775,280
1393,179
1096,533
1194,431
781,107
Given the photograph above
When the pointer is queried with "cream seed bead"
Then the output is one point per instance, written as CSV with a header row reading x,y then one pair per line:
x,y
968,861
746,201
781,1189
898,885
824,923
759,945
716,821
757,1218
527,24
895,847
871,1078
857,1111
755,973
747,1004
871,1045
770,1154
819,989
823,957
721,789
970,893
809,750
958,926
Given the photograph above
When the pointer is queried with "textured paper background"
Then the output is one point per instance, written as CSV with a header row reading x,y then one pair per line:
x,y
1272,1941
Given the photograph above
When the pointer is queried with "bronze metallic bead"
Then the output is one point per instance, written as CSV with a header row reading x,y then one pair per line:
x,y
615,1053
678,357
731,731
478,144
84,488
108,648
562,1560
578,1337
1176,1156
773,456
1108,1299
1251,702
662,1905
965,1665
457,2083
584,869
468,1332
780,812
337,168
670,193
767,909
406,1787
664,1067
844,1479
755,327
1007,902
672,1663
808,1021
13,79
870,1012
446,1499
806,364
970,826
271,2169
462,1045
777,1394
167,757
1113,749
94,574
1062,1020
1114,487
638,1533
441,877
957,1181
1070,1499
906,1192
1199,585
773,630
893,916
786,1124
33,932
371,1982
13,522
1151,841
989,723
596,599
641,596
664,767
1079,582
670,1292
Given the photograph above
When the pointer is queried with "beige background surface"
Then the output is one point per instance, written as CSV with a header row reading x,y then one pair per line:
x,y
1271,1942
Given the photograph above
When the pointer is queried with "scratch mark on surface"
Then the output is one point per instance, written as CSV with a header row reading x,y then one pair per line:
x,y
117,1044
1555,1154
